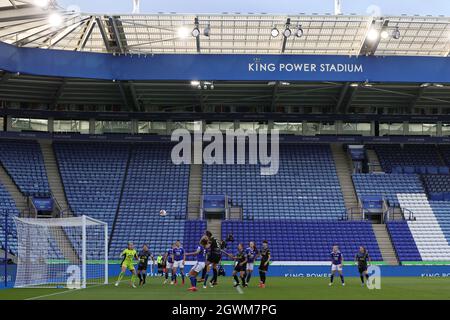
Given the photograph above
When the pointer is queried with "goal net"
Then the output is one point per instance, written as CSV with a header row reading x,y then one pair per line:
x,y
62,252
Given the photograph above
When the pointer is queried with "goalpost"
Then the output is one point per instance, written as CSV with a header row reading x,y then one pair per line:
x,y
62,252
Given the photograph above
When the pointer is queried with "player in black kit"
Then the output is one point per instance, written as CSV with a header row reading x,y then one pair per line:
x,y
362,259
240,266
213,258
143,256
264,265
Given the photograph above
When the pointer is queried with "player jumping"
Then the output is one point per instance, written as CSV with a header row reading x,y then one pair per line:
x,y
337,259
200,264
213,258
127,263
144,255
264,265
362,260
178,261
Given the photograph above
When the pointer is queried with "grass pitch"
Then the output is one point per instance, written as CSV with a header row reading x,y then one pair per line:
x,y
277,288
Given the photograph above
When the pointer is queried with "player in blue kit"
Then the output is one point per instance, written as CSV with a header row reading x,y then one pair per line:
x,y
251,252
178,261
168,257
200,254
337,259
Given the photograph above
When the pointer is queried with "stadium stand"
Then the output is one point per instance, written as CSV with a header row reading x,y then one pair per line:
x,y
306,186
7,203
406,191
407,158
437,187
152,183
305,240
24,162
403,241
192,231
387,185
92,175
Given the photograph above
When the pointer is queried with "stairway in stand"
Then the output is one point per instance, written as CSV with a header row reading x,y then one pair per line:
x,y
385,244
373,160
215,227
195,191
56,186
11,187
54,177
344,171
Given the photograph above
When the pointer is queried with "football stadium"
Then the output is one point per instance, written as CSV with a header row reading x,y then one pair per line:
x,y
223,156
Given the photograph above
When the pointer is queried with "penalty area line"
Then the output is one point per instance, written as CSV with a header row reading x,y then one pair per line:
x,y
68,290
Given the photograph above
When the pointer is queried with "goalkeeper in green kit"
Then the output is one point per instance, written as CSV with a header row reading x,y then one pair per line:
x,y
127,263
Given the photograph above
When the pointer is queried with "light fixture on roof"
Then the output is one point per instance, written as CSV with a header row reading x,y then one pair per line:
x,y
438,85
207,30
287,32
41,3
373,35
299,31
195,32
367,84
354,84
384,34
396,34
285,83
55,19
195,83
274,32
182,32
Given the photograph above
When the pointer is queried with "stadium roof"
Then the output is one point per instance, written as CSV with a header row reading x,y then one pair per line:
x,y
26,25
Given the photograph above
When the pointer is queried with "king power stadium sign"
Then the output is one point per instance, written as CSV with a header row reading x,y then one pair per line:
x,y
224,67
305,67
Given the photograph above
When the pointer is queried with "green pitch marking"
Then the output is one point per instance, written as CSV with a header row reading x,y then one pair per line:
x,y
277,288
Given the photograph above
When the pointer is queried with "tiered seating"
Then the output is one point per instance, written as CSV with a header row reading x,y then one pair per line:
x,y
306,186
92,175
403,241
7,204
445,152
387,185
24,162
437,186
406,191
431,230
153,183
305,240
407,159
193,230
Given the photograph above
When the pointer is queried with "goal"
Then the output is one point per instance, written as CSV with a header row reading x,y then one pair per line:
x,y
62,252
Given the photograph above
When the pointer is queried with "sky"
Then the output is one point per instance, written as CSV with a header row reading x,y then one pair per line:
x,y
379,7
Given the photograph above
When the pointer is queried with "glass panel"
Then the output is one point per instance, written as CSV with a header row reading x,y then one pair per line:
x,y
143,127
312,128
415,129
430,129
81,126
19,124
391,129
112,127
327,128
446,129
281,126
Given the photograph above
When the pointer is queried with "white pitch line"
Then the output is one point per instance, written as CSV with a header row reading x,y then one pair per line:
x,y
239,290
69,290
